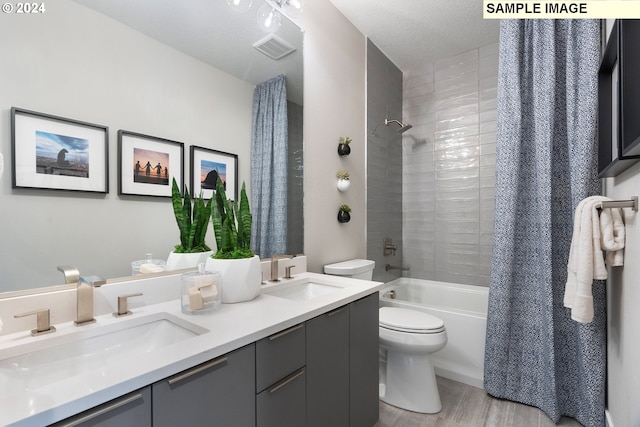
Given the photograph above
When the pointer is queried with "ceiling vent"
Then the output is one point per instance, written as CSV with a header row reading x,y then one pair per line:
x,y
274,47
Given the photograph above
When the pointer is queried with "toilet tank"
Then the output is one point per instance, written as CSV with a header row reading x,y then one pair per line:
x,y
353,268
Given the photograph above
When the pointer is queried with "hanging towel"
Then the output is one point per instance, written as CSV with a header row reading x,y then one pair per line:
x,y
612,234
591,235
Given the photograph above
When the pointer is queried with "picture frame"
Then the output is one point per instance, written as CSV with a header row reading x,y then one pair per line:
x,y
57,153
206,165
148,164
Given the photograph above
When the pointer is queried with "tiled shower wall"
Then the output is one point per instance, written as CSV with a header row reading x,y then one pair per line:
x,y
384,162
448,167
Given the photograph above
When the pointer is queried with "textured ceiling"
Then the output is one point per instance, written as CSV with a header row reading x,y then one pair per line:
x,y
415,32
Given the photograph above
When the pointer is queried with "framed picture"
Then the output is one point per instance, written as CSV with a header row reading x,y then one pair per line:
x,y
207,165
50,152
147,164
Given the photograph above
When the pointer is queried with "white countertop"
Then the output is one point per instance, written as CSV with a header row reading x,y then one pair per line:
x,y
229,328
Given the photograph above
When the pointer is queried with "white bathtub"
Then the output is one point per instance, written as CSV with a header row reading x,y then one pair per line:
x,y
464,311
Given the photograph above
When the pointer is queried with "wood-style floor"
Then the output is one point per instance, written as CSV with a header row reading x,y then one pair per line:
x,y
467,406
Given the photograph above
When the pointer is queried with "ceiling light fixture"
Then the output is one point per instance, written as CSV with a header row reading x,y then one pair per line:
x,y
240,5
269,18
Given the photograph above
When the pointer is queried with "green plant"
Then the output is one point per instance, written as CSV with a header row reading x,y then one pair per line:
x,y
193,229
345,208
343,175
232,225
345,140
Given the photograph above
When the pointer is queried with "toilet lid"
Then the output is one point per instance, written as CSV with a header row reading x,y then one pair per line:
x,y
412,321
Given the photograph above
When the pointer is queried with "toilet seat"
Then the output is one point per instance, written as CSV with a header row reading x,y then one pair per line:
x,y
409,321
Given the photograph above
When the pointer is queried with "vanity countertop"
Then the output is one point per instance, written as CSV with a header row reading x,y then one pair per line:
x,y
229,328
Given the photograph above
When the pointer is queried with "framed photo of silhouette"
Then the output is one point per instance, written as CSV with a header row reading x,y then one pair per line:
x,y
148,164
51,152
207,166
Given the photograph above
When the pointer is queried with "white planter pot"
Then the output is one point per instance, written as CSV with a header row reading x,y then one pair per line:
x,y
241,278
343,184
177,261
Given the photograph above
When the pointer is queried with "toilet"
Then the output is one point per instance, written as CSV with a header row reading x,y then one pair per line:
x,y
409,337
407,340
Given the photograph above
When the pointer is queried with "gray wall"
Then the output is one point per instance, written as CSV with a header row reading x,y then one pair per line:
x,y
384,161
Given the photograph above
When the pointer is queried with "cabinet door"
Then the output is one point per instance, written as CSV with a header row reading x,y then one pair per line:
x,y
283,404
218,392
133,409
363,363
328,369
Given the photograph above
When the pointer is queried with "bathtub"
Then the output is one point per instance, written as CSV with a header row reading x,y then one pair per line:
x,y
464,311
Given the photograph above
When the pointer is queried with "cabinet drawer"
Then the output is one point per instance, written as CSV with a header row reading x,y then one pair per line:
x,y
133,409
279,355
218,392
283,404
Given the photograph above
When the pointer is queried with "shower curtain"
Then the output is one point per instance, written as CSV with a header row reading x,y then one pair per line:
x,y
269,148
545,165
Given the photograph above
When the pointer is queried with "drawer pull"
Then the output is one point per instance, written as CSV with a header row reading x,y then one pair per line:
x,y
111,407
340,310
179,377
286,381
285,332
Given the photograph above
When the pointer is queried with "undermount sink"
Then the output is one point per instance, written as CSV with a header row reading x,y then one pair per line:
x,y
93,350
302,291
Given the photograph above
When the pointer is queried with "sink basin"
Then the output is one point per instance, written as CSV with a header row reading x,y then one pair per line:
x,y
94,350
302,291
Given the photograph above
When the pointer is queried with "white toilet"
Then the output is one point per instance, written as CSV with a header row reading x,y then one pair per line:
x,y
407,339
353,268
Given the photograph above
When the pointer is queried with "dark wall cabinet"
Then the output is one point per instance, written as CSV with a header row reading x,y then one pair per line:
x,y
619,100
323,372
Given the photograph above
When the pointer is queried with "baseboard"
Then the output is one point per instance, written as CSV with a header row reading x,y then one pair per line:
x,y
456,376
607,416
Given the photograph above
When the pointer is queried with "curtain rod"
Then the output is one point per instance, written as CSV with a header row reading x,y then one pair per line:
x,y
632,203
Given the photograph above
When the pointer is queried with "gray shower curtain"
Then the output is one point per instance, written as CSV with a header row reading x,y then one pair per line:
x,y
545,165
269,151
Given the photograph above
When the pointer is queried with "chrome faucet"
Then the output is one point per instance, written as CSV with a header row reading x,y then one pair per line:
x,y
85,299
274,265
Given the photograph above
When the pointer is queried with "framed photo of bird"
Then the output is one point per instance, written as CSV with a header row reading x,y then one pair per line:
x,y
148,164
51,152
207,166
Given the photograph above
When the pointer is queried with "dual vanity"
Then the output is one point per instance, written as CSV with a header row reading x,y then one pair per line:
x,y
304,352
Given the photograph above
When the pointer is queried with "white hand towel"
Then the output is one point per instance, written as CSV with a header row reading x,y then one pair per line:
x,y
612,233
586,262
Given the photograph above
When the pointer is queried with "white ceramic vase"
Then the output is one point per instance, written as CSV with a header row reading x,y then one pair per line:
x,y
177,261
241,278
343,184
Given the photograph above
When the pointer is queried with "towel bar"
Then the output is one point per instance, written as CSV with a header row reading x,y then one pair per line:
x,y
632,203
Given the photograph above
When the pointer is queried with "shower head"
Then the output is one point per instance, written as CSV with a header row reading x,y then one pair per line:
x,y
403,126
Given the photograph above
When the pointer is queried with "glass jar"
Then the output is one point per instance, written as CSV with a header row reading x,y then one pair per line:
x,y
147,265
201,291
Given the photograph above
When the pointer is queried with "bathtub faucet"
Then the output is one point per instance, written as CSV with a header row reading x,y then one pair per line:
x,y
395,267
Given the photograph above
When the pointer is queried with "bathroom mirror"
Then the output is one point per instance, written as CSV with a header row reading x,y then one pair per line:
x,y
182,71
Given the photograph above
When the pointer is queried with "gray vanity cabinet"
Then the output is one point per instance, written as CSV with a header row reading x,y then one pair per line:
x,y
218,392
281,378
363,361
133,409
328,369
